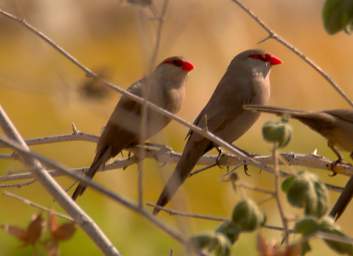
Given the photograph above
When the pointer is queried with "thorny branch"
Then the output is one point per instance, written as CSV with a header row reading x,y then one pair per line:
x,y
166,155
47,181
296,51
89,73
169,155
88,182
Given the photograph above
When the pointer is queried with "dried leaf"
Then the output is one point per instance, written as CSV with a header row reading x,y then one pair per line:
x,y
52,248
19,233
52,222
263,247
31,234
34,229
64,231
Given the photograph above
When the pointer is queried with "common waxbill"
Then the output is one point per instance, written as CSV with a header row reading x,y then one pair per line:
x,y
247,80
164,87
336,126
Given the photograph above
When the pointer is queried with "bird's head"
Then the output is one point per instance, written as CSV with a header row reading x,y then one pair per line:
x,y
256,60
174,70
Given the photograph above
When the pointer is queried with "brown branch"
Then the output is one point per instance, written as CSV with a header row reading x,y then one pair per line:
x,y
18,185
164,154
47,181
196,129
36,205
296,51
277,188
202,216
88,182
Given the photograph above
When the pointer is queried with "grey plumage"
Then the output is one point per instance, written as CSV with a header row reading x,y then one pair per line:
x,y
163,87
245,81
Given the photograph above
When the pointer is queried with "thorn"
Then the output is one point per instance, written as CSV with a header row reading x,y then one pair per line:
x,y
75,131
265,39
315,152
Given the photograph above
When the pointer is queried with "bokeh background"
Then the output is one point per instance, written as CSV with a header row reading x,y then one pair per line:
x,y
40,90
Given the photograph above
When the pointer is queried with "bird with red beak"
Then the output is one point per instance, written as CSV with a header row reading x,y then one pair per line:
x,y
163,87
246,80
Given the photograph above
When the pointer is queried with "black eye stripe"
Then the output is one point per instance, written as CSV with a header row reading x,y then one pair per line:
x,y
177,63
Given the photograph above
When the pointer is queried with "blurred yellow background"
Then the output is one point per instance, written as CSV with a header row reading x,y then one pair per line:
x,y
39,91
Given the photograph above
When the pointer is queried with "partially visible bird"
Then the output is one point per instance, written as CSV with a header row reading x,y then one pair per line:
x,y
245,81
164,87
336,125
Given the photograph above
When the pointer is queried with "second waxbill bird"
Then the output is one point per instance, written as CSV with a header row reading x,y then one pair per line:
x,y
247,80
164,87
336,126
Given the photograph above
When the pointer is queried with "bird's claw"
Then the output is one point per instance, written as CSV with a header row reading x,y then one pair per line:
x,y
246,168
333,166
219,157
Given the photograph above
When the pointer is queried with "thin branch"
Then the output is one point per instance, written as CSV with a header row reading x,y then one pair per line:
x,y
277,194
202,216
36,205
165,154
47,181
88,182
138,99
160,20
18,185
296,51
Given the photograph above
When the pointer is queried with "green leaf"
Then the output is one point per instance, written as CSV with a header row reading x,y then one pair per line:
x,y
338,15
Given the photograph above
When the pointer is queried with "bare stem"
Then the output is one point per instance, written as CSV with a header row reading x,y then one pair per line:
x,y
277,194
36,205
47,181
296,51
88,182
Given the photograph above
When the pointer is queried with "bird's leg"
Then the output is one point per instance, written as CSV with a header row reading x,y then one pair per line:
x,y
219,156
245,165
334,163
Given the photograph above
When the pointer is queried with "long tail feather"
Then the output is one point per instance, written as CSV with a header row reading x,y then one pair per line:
x,y
188,160
97,163
343,200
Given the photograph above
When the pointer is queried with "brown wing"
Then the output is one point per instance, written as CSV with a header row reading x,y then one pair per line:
x,y
120,131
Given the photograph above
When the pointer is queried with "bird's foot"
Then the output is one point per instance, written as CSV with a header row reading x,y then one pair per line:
x,y
219,157
246,168
333,167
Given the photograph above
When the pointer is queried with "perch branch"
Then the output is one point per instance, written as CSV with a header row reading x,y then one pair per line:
x,y
47,181
296,51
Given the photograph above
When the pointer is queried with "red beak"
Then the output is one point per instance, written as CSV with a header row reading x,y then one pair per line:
x,y
274,60
187,66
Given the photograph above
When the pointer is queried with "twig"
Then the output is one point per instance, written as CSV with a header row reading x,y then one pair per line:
x,y
203,216
296,51
257,189
160,20
136,98
18,185
36,205
80,217
88,182
167,155
277,194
